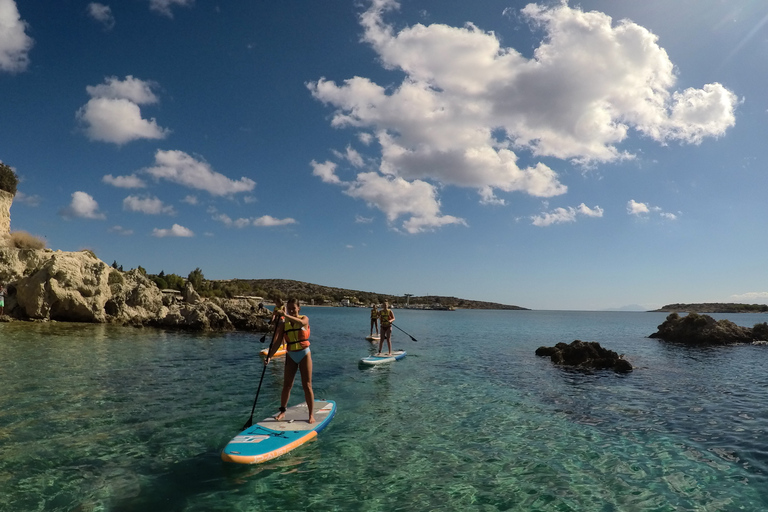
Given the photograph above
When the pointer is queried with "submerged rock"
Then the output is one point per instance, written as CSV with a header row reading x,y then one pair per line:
x,y
588,355
702,330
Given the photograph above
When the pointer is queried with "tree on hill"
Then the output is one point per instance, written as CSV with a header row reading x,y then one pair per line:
x,y
8,179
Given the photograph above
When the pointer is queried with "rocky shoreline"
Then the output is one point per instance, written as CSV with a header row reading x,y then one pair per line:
x,y
78,287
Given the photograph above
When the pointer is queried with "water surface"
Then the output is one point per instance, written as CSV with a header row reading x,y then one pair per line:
x,y
100,418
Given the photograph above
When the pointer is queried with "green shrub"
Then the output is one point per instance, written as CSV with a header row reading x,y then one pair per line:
x,y
8,179
23,240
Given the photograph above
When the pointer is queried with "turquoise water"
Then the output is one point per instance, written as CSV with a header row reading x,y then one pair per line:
x,y
99,418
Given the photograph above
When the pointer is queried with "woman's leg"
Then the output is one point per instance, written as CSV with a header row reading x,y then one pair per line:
x,y
306,382
288,377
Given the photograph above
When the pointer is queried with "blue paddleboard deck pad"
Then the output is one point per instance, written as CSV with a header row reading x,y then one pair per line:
x,y
383,358
270,438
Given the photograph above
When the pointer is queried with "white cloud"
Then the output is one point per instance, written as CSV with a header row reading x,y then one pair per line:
x,y
359,219
563,215
175,230
120,230
397,197
467,103
179,167
164,6
15,44
751,297
132,89
643,210
113,114
190,200
263,221
21,197
130,181
82,206
148,205
102,13
326,171
635,208
269,221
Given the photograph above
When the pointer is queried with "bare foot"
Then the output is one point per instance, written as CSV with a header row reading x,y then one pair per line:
x,y
389,355
311,420
279,416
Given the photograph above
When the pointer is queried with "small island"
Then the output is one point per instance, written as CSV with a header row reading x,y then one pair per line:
x,y
713,307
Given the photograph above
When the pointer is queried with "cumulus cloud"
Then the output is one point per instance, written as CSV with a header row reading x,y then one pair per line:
x,y
130,181
102,13
326,171
467,103
263,221
398,197
175,230
113,113
83,206
643,210
15,44
183,169
148,205
164,6
565,215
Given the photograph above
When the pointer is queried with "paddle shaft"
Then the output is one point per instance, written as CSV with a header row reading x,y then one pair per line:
x,y
414,339
250,420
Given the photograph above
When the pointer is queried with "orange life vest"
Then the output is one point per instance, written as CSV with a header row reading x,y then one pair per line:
x,y
298,336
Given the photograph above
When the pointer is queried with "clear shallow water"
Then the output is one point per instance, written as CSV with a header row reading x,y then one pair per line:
x,y
98,418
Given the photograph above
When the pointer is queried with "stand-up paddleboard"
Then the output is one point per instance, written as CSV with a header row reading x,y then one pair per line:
x,y
270,438
383,358
280,352
373,337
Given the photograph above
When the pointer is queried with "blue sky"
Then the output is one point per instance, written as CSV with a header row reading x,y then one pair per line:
x,y
549,155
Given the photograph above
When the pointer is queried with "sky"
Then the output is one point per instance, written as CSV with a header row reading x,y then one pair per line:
x,y
550,155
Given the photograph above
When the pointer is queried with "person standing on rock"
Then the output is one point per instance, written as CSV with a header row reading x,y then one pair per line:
x,y
3,291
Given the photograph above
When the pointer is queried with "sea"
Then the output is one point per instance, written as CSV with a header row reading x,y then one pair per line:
x,y
107,418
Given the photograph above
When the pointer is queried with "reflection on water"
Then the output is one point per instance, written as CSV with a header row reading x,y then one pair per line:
x,y
95,417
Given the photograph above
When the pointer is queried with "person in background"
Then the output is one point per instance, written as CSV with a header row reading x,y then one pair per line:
x,y
387,317
374,319
277,313
293,329
3,292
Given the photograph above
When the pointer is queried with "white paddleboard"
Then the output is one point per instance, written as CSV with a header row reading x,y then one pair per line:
x,y
383,358
373,337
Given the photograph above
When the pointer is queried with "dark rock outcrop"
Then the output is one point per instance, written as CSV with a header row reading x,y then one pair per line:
x,y
587,355
703,330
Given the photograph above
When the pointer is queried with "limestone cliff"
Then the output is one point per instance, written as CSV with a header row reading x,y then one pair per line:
x,y
43,284
6,200
79,287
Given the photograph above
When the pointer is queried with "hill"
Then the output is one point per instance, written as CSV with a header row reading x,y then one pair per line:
x,y
320,294
715,307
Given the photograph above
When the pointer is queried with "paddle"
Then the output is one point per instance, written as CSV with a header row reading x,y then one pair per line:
x,y
414,339
250,420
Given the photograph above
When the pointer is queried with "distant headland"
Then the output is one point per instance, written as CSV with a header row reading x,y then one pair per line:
x,y
713,307
327,295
